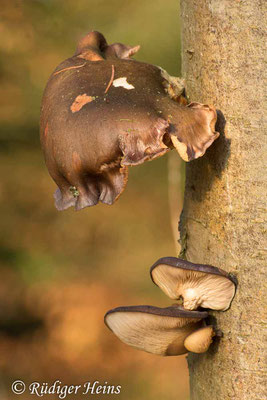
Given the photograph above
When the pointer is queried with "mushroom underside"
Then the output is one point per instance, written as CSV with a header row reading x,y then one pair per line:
x,y
197,288
193,132
162,333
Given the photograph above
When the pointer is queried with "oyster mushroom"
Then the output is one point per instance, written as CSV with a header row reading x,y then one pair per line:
x,y
199,285
200,340
103,112
161,331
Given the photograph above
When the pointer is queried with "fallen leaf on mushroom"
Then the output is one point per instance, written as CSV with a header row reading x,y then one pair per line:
x,y
103,112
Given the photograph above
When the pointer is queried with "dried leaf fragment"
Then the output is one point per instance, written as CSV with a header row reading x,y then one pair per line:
x,y
80,101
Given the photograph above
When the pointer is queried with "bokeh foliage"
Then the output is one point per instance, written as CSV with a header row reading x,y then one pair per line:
x,y
36,35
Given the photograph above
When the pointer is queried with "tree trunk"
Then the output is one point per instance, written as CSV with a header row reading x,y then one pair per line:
x,y
222,222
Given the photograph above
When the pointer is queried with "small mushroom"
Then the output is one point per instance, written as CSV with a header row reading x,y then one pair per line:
x,y
200,340
199,285
156,330
103,112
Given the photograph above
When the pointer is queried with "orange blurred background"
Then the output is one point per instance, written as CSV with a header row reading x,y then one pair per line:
x,y
61,271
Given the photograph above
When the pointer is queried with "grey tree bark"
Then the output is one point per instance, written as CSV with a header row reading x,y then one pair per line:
x,y
222,222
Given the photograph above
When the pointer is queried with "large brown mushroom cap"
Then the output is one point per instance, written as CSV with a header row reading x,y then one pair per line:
x,y
199,285
155,330
102,112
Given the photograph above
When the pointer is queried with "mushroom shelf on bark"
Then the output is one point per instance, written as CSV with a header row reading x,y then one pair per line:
x,y
199,285
161,331
103,112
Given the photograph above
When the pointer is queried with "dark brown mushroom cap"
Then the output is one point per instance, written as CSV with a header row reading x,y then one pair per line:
x,y
155,330
102,112
94,47
198,284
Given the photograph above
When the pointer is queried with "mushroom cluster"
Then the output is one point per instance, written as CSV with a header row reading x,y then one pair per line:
x,y
176,329
103,112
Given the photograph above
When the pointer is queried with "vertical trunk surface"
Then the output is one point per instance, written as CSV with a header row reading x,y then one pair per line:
x,y
223,217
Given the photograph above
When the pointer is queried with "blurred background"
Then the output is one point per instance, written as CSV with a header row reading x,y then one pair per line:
x,y
61,271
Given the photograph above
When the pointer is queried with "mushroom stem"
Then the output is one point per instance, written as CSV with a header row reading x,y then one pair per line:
x,y
191,299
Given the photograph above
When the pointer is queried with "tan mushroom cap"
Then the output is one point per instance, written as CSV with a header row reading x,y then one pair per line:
x,y
199,285
200,340
160,331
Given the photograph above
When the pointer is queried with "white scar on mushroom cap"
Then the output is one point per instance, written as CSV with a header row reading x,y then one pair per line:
x,y
122,82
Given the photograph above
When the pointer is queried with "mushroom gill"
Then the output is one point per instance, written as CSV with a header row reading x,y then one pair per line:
x,y
160,331
199,285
